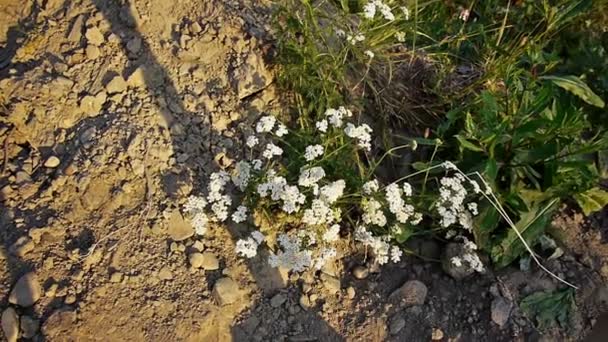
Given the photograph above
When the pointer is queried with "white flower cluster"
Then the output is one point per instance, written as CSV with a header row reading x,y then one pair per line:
x,y
310,177
241,175
451,206
278,189
372,213
271,151
336,116
379,245
362,133
240,215
291,256
370,9
313,152
195,206
469,257
265,124
396,203
219,202
248,247
370,187
353,40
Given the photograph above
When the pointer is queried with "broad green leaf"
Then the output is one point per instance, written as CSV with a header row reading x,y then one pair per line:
x,y
531,225
536,154
483,226
405,232
549,308
592,200
467,144
577,87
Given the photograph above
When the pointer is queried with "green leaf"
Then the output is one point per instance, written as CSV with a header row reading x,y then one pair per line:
x,y
484,224
577,87
531,225
491,170
549,308
592,200
405,232
467,144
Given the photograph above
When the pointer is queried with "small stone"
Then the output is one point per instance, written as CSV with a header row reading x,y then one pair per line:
x,y
22,246
457,272
350,292
76,30
198,245
92,52
305,302
179,229
134,45
91,105
52,290
397,323
165,273
332,284
226,291
277,300
437,334
411,293
209,261
116,85
501,310
10,324
26,291
116,277
137,78
94,36
52,162
70,299
360,272
29,326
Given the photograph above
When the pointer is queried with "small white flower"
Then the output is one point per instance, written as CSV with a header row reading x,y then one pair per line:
x,y
252,140
456,261
313,151
396,254
195,204
370,187
464,14
332,234
355,39
271,151
385,10
369,54
199,221
281,130
369,10
472,206
265,124
240,215
321,126
332,191
310,177
256,164
247,248
362,133
400,36
448,165
340,33
406,12
407,189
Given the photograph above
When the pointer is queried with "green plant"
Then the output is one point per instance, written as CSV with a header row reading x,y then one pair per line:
x,y
549,308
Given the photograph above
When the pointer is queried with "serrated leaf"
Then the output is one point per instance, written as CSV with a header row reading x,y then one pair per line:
x,y
577,87
592,200
531,225
549,308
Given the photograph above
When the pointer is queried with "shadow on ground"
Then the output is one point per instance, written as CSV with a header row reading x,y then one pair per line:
x,y
118,15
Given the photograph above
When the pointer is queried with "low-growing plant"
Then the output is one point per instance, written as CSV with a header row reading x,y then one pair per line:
x,y
549,308
516,139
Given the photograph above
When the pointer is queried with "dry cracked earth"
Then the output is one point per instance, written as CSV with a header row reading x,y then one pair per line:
x,y
112,113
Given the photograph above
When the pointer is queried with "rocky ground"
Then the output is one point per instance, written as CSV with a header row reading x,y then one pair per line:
x,y
111,113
